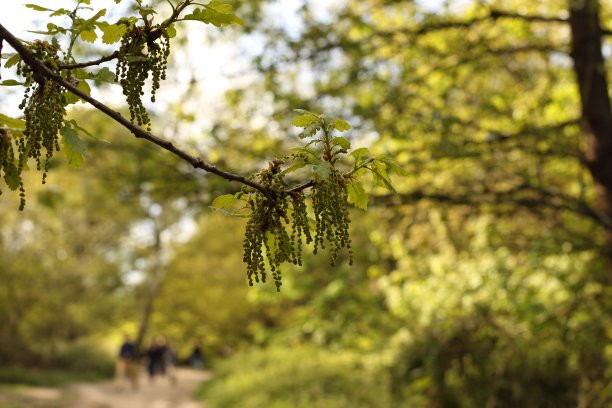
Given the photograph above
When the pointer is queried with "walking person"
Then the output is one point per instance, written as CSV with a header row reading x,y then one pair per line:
x,y
156,357
196,355
127,362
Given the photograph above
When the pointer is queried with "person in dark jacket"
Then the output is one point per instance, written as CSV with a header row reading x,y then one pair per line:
x,y
127,362
156,357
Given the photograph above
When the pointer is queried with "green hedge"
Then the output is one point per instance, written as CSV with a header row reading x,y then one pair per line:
x,y
293,378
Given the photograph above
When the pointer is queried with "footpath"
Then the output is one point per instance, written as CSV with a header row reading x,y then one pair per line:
x,y
160,393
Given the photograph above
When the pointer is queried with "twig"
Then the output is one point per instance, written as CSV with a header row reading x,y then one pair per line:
x,y
196,162
90,63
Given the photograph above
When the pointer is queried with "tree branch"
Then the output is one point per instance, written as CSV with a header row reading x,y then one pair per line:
x,y
495,14
196,162
90,63
525,196
301,187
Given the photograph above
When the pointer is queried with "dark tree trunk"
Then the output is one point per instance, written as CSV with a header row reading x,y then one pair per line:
x,y
596,126
596,115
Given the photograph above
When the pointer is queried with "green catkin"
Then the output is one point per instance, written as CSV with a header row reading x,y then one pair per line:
x,y
266,235
330,206
44,113
266,227
134,66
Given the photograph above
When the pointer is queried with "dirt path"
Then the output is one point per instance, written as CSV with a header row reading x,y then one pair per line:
x,y
113,394
160,393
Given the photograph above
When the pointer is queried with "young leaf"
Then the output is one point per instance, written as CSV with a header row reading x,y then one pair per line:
x,y
305,120
105,75
12,61
361,152
10,82
7,122
321,171
310,130
89,35
171,31
224,201
357,195
341,125
305,150
112,32
379,172
392,166
74,148
298,164
217,14
342,142
37,7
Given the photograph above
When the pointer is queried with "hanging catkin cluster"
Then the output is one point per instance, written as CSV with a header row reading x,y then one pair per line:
x,y
43,110
134,65
8,164
266,231
330,206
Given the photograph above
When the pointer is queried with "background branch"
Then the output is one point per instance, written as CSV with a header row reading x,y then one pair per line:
x,y
196,162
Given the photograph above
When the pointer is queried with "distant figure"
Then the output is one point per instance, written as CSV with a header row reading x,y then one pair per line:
x,y
126,363
196,355
169,364
156,356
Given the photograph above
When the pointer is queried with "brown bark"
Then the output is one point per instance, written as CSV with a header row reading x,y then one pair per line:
x,y
596,115
156,276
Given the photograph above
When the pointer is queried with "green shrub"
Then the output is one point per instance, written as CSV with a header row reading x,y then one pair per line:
x,y
293,378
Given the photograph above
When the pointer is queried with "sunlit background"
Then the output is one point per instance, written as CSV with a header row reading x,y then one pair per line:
x,y
484,282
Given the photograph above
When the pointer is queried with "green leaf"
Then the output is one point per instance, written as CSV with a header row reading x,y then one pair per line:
x,y
112,32
321,171
217,14
392,166
226,204
10,82
341,125
298,164
304,150
342,142
171,31
357,195
12,61
379,172
361,152
224,201
230,213
309,130
37,7
60,12
89,35
54,29
105,75
84,86
74,148
305,120
7,122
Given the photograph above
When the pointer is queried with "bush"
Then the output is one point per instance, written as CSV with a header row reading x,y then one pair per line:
x,y
294,378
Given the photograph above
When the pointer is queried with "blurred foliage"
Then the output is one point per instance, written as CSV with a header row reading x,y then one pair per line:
x,y
484,282
295,377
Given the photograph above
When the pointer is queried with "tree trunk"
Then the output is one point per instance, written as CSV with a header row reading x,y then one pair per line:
x,y
596,115
155,278
596,127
